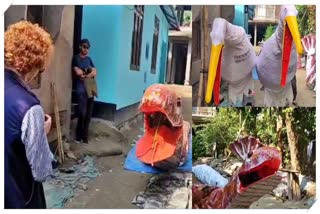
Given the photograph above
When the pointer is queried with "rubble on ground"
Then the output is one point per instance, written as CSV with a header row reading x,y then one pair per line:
x,y
170,190
307,186
270,202
278,197
226,167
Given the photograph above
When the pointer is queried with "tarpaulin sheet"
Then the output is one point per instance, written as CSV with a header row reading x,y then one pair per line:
x,y
61,186
134,164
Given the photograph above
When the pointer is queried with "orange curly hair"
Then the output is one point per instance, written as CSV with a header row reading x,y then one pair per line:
x,y
27,47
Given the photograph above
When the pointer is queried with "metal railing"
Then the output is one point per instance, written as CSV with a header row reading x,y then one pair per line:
x,y
204,111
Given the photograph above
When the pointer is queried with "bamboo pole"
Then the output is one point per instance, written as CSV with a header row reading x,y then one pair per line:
x,y
57,118
203,27
206,49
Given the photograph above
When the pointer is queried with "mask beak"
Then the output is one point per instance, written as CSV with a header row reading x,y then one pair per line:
x,y
291,33
214,77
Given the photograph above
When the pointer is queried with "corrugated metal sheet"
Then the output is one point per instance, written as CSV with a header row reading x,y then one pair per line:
x,y
171,17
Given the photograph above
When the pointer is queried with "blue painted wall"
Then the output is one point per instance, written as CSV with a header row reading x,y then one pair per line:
x,y
102,27
109,28
240,17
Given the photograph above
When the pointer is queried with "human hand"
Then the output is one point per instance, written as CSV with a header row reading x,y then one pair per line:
x,y
47,123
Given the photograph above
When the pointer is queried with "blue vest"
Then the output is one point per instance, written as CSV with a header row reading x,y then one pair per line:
x,y
21,190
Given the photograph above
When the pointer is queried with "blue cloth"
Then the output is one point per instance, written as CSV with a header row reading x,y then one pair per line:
x,y
134,164
61,186
83,63
255,74
21,189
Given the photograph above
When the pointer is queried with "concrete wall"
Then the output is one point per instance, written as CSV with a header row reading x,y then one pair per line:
x,y
111,51
224,11
14,13
59,21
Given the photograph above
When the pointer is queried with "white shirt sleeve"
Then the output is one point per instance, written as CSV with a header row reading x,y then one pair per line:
x,y
36,143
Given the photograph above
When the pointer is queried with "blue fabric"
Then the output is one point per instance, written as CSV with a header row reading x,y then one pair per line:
x,y
61,186
134,164
19,182
255,74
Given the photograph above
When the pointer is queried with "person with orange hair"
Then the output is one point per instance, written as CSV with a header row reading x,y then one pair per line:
x,y
28,159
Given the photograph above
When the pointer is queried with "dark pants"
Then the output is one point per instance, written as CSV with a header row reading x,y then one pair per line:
x,y
85,109
294,87
38,199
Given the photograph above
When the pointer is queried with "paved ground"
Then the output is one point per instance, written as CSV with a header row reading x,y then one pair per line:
x,y
116,187
305,96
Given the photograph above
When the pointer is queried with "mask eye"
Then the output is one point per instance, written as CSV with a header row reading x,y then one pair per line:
x,y
250,154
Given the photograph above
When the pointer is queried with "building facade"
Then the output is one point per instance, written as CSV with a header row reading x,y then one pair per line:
x,y
59,22
129,47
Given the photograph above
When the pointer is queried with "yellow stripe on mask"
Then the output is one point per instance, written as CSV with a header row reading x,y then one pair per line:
x,y
293,27
214,61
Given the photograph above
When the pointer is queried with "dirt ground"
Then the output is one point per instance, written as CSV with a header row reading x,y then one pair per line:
x,y
116,187
305,96
271,202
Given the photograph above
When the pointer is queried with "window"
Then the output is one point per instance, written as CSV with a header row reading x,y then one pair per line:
x,y
196,40
35,15
155,45
246,9
137,37
265,11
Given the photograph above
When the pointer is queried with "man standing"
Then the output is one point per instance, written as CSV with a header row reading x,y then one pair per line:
x,y
84,71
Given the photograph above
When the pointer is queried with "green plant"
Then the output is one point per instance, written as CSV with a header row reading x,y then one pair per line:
x,y
268,33
187,18
306,19
220,130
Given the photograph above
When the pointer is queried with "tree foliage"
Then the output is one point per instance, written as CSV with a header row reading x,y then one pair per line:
x,y
306,19
187,16
220,130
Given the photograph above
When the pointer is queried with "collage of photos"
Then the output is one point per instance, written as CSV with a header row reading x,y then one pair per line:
x,y
160,107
